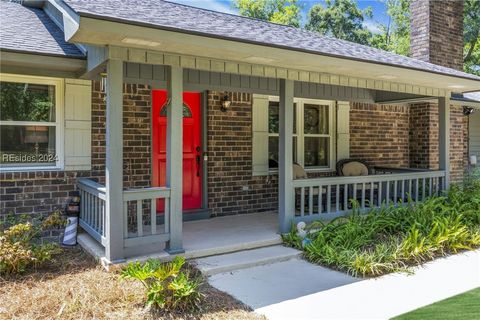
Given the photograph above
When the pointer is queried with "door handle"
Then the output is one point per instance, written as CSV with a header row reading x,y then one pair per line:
x,y
198,160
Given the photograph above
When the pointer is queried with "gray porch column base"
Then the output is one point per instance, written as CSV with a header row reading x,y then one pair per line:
x,y
112,265
174,251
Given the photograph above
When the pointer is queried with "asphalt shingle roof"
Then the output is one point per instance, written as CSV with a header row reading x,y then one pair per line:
x,y
30,30
177,17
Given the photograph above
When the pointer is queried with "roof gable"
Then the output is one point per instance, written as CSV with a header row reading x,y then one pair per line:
x,y
30,30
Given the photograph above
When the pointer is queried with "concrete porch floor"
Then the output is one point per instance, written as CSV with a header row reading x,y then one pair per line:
x,y
212,236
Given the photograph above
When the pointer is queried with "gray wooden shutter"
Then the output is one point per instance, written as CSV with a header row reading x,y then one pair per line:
x,y
260,135
78,107
343,130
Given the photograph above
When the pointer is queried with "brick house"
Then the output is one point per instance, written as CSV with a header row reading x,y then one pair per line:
x,y
95,99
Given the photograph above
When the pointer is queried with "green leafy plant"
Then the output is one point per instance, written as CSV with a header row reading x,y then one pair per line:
x,y
392,238
169,286
54,221
19,248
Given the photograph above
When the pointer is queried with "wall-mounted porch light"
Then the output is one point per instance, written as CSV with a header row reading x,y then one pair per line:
x,y
467,110
226,103
103,84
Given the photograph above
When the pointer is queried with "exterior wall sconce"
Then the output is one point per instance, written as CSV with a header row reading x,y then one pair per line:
x,y
468,111
103,83
226,103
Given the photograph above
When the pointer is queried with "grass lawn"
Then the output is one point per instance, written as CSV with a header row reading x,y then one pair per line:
x,y
465,306
76,287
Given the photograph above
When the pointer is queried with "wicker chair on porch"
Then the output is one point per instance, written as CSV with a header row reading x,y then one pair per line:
x,y
354,167
300,173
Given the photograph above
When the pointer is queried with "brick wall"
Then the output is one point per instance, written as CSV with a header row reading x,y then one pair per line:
x,y
423,138
40,192
136,135
437,32
458,144
231,187
379,134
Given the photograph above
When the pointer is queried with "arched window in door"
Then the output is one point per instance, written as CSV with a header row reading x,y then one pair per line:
x,y
187,113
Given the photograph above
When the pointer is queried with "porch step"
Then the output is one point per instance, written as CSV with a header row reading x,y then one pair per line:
x,y
245,259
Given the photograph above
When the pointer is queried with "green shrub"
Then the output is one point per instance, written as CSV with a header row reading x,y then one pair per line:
x,y
168,286
19,248
389,238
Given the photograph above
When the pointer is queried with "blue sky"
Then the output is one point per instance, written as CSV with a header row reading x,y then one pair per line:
x,y
378,7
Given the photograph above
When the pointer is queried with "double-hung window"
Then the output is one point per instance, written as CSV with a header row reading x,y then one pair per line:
x,y
30,122
313,133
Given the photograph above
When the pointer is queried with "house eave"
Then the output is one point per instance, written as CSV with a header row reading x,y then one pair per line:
x,y
41,64
114,32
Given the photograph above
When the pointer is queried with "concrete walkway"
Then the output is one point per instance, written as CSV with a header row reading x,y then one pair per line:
x,y
296,289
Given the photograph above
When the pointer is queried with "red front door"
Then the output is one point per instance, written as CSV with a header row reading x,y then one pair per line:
x,y
192,149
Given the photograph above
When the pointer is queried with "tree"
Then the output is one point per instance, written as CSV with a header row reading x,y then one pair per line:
x,y
395,36
341,19
471,36
279,11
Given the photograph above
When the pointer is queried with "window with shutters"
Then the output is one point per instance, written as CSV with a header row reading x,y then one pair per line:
x,y
31,115
313,133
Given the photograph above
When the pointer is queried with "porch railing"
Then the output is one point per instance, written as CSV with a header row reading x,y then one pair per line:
x,y
329,197
92,208
142,224
140,216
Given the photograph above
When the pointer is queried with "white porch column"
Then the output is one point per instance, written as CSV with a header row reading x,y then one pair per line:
x,y
114,162
444,136
286,196
175,158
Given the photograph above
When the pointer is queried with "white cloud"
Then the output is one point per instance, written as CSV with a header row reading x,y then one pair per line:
x,y
372,26
215,5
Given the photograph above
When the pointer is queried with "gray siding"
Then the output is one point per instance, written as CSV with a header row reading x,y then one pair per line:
x,y
198,80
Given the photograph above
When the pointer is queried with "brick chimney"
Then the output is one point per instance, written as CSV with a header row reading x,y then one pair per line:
x,y
437,32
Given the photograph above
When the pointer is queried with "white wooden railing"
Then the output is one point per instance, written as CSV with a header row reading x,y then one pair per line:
x,y
142,225
326,198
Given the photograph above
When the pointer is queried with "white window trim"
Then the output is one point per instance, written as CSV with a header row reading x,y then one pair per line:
x,y
300,132
59,120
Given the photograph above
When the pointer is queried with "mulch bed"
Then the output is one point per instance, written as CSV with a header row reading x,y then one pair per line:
x,y
76,287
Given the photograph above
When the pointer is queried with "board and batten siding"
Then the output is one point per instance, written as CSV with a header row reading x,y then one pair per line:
x,y
200,80
474,135
77,141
